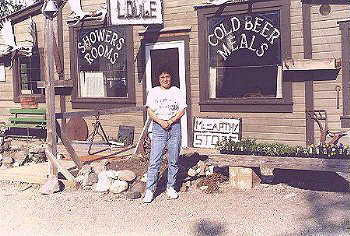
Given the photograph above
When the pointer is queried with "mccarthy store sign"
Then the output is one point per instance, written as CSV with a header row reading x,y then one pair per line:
x,y
208,131
136,12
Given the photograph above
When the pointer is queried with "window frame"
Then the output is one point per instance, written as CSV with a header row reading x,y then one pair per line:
x,y
345,67
100,103
40,98
284,104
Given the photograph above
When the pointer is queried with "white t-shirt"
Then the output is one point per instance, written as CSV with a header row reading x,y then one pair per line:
x,y
165,102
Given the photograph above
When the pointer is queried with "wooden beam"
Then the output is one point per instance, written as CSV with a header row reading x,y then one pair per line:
x,y
99,112
60,168
50,91
139,145
57,84
292,163
310,64
68,145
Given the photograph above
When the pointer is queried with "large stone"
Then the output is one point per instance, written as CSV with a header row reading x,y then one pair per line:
x,y
85,169
8,160
103,183
242,178
133,195
37,149
144,178
138,187
90,179
118,186
126,175
51,186
112,174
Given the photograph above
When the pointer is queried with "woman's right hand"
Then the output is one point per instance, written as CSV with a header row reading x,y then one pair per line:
x,y
164,124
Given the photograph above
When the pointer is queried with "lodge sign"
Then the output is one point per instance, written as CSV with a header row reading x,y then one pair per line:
x,y
136,12
208,131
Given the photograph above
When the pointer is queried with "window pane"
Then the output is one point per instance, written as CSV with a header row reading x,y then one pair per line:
x,y
30,73
103,62
244,56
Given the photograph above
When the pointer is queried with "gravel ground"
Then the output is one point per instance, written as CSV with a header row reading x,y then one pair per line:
x,y
265,210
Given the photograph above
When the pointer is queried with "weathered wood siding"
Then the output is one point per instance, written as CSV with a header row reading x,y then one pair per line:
x,y
270,127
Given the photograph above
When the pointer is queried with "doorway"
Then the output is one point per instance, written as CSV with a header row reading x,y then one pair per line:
x,y
171,54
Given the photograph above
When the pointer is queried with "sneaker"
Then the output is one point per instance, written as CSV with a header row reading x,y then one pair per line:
x,y
171,193
148,196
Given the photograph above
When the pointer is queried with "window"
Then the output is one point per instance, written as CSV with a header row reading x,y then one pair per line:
x,y
103,75
241,58
28,71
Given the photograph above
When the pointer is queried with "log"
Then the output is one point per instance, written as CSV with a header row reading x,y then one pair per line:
x,y
293,163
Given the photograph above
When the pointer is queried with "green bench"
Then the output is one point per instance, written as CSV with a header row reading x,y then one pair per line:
x,y
25,121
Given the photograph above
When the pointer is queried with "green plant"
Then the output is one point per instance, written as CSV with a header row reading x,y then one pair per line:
x,y
249,146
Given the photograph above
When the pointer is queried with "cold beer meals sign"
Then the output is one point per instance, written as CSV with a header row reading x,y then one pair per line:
x,y
208,131
136,12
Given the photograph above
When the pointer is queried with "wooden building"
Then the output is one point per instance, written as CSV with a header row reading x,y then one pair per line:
x,y
264,62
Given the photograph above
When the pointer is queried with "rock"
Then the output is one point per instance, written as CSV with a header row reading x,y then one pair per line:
x,y
204,187
85,169
112,174
138,187
144,177
202,167
126,175
80,178
8,160
118,186
192,172
103,183
209,170
90,179
102,166
1,157
51,186
133,195
37,149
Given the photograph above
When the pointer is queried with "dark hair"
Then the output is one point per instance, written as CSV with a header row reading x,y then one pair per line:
x,y
164,69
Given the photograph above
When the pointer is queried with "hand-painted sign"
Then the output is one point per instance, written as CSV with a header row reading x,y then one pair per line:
x,y
102,46
136,12
254,33
208,131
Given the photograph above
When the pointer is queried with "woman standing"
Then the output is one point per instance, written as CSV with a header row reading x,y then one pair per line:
x,y
165,107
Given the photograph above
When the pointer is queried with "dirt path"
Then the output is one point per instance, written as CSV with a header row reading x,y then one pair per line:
x,y
265,210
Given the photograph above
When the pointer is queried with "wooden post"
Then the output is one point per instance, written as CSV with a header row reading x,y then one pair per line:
x,y
50,92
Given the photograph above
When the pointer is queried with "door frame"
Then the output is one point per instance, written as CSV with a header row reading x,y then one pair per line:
x,y
182,43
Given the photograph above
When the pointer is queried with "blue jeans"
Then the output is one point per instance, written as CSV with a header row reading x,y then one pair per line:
x,y
161,137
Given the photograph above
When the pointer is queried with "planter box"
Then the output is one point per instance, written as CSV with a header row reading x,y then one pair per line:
x,y
269,162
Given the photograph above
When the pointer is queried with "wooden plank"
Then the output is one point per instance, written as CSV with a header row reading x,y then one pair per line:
x,y
27,120
60,168
57,84
293,163
309,64
38,111
139,145
50,92
99,112
67,144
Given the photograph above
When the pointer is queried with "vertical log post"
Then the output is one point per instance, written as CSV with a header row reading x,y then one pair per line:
x,y
50,91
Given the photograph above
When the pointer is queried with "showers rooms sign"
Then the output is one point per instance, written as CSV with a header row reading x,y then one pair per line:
x,y
208,131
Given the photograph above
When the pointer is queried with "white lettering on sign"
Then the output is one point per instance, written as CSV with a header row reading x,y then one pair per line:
x,y
226,35
136,12
208,131
101,43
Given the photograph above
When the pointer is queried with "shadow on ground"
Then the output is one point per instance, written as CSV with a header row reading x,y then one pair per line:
x,y
206,228
312,180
